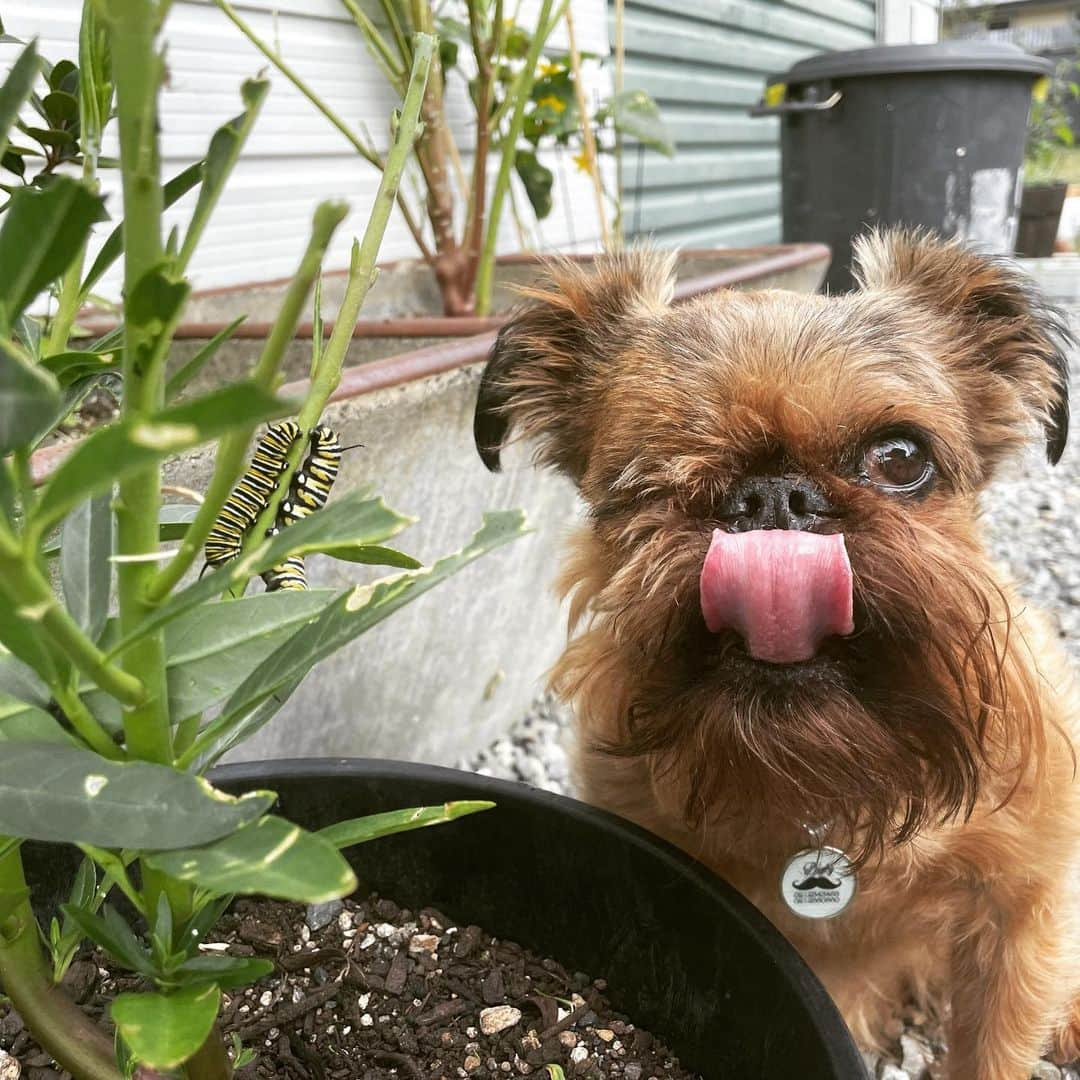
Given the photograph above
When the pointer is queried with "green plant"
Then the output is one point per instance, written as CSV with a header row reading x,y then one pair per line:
x,y
524,98
121,688
1050,130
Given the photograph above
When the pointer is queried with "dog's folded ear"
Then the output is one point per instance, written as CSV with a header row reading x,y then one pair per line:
x,y
1003,330
551,361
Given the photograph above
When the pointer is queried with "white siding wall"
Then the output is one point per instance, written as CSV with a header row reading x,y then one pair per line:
x,y
294,158
915,22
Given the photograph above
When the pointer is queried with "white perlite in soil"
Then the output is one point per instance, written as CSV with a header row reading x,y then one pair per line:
x,y
1031,516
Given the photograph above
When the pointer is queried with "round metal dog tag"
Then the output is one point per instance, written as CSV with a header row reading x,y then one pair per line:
x,y
818,883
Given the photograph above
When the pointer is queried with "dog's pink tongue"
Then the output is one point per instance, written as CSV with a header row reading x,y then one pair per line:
x,y
784,591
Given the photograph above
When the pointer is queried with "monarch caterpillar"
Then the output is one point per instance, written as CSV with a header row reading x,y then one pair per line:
x,y
307,493
291,574
313,480
250,496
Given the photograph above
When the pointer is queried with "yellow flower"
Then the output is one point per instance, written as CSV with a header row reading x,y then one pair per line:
x,y
582,162
551,102
547,68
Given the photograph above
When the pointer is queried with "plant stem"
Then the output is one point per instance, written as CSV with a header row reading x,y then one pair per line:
x,y
61,1028
67,306
586,131
138,73
27,589
368,153
361,275
392,68
522,89
362,265
211,1062
403,47
86,727
232,451
484,52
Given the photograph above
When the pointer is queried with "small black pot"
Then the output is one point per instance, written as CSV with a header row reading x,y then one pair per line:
x,y
685,956
1040,215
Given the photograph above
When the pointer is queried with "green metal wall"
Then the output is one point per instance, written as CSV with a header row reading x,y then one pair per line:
x,y
705,62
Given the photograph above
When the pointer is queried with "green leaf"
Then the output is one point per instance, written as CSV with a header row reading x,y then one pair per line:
x,y
370,555
226,971
28,331
63,72
113,247
355,612
345,834
355,519
86,543
72,397
84,887
212,648
173,522
634,113
42,232
22,638
29,396
22,722
10,899
245,726
95,84
448,54
70,367
7,490
271,857
537,180
132,444
208,910
61,109
66,937
16,90
156,300
69,795
111,932
164,1030
185,374
225,146
19,680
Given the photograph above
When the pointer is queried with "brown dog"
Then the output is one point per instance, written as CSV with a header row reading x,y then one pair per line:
x,y
794,657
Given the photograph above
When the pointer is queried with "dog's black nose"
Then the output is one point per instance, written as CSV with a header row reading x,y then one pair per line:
x,y
773,502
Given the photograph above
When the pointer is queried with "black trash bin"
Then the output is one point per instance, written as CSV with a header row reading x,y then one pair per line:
x,y
927,135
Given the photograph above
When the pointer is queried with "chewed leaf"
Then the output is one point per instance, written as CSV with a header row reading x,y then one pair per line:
x,y
69,795
345,834
271,857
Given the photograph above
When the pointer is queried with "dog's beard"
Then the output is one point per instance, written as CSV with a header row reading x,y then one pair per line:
x,y
891,729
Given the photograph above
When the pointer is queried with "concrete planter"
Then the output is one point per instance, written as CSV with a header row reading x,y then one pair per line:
x,y
449,673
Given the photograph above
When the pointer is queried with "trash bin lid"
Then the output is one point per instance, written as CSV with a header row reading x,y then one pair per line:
x,y
916,59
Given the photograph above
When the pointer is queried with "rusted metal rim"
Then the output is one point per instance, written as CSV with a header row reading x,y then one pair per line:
x,y
471,348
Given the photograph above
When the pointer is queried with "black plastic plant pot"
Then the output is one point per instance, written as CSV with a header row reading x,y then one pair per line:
x,y
684,955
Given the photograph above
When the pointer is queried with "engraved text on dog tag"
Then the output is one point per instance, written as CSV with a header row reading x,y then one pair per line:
x,y
818,883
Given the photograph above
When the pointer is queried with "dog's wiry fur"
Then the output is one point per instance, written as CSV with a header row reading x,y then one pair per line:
x,y
938,740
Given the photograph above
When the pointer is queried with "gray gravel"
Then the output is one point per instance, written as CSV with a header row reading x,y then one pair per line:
x,y
1031,517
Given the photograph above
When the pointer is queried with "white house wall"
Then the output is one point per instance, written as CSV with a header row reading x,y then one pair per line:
x,y
294,158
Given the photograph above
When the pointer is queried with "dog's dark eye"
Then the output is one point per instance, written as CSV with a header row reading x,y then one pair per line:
x,y
898,463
